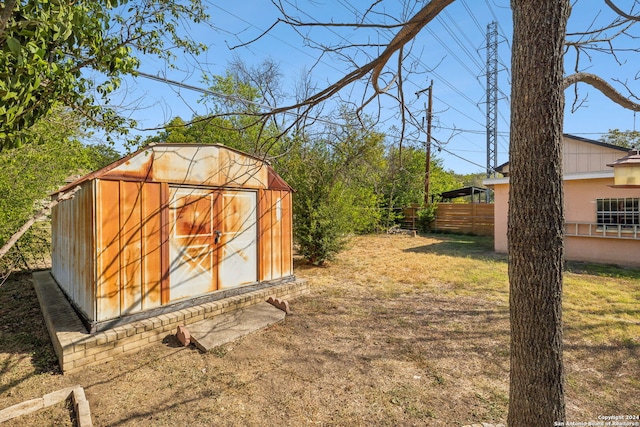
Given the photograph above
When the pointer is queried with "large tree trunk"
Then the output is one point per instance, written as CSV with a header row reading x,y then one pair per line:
x,y
536,213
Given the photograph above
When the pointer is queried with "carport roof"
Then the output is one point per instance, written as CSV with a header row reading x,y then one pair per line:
x,y
461,192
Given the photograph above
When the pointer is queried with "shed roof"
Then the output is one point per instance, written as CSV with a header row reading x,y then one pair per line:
x,y
197,164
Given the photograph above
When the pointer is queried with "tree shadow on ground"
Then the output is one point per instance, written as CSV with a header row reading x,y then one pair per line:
x,y
464,246
479,247
603,270
22,324
25,347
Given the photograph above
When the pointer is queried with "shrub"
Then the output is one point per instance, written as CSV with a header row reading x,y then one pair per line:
x,y
426,217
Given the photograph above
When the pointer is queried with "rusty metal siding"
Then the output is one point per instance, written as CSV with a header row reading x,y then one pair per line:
x,y
151,246
128,241
73,249
185,165
276,245
213,240
192,249
130,247
108,249
165,266
276,235
190,164
287,234
237,170
211,166
265,235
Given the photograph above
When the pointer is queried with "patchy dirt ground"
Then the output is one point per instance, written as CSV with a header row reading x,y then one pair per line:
x,y
398,331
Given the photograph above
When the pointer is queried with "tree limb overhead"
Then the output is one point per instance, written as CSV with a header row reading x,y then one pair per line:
x,y
619,11
604,87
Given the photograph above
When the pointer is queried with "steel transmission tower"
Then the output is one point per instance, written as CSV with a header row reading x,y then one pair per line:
x,y
492,98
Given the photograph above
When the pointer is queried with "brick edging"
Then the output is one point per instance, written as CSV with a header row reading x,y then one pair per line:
x,y
80,405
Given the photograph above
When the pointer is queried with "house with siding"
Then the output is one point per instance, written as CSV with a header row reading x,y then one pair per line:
x,y
602,219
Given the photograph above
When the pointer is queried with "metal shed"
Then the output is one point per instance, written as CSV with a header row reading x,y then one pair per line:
x,y
168,224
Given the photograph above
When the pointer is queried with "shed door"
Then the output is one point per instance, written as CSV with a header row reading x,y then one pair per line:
x,y
213,241
239,247
192,254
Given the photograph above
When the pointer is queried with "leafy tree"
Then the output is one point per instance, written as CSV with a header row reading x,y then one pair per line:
x,y
441,180
626,138
404,179
319,221
234,101
29,173
357,152
335,181
46,45
471,179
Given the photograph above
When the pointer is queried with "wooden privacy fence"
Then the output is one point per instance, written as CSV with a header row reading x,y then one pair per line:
x,y
467,218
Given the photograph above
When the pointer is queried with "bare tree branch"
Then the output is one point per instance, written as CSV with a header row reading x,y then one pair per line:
x,y
288,19
256,38
407,33
604,87
374,4
617,10
615,24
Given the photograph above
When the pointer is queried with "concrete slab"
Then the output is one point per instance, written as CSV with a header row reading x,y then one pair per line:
x,y
210,333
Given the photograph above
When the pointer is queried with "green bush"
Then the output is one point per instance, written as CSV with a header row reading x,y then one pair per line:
x,y
319,233
426,217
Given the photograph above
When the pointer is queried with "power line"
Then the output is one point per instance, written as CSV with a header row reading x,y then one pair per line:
x,y
353,9
441,147
348,5
227,96
318,119
495,18
448,49
257,104
473,17
463,48
271,35
454,35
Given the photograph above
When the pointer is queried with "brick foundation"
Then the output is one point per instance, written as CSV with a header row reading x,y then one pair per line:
x,y
76,348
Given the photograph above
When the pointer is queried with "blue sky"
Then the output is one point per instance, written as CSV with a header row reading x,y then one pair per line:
x,y
450,51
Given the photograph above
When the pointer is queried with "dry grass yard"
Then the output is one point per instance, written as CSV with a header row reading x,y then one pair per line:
x,y
397,331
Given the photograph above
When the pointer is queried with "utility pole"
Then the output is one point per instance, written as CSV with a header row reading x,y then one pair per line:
x,y
427,167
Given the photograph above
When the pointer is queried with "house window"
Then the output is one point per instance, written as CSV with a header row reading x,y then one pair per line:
x,y
624,212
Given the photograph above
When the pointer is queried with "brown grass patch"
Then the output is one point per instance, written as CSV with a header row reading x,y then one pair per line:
x,y
397,331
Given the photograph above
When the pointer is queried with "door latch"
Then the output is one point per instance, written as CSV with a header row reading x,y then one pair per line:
x,y
218,234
